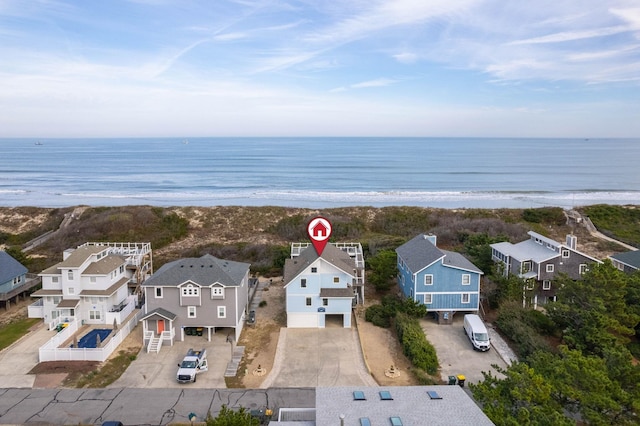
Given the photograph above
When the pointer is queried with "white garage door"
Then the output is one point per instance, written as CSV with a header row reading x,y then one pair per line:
x,y
302,320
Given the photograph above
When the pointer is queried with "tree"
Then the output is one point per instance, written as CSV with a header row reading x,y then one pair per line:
x,y
523,397
593,311
384,269
228,417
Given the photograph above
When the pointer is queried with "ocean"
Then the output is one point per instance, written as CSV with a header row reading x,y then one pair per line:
x,y
320,172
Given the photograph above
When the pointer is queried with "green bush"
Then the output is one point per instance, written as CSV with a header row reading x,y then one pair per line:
x,y
415,345
546,215
378,315
513,322
262,303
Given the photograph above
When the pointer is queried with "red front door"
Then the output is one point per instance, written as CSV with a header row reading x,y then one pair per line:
x,y
160,326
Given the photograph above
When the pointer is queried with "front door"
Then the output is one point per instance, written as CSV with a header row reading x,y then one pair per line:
x,y
160,326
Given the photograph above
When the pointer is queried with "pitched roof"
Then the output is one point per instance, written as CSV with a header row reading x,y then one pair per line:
x,y
161,312
105,265
332,254
419,252
10,268
631,258
204,271
336,292
459,261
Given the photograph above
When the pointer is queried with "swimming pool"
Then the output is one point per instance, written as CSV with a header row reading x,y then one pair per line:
x,y
89,340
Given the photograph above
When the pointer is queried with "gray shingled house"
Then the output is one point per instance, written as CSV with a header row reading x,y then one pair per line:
x,y
194,296
627,262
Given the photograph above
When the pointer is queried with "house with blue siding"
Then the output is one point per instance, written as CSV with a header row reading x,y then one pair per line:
x,y
444,281
321,288
14,280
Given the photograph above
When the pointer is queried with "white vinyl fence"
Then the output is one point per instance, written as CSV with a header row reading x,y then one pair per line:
x,y
51,351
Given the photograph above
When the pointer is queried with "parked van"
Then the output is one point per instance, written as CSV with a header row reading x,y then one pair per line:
x,y
477,332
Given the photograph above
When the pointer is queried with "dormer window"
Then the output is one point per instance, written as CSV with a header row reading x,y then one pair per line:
x,y
190,290
217,292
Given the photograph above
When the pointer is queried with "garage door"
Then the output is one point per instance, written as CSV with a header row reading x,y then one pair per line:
x,y
302,320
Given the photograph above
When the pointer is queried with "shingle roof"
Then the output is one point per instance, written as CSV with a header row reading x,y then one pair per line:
x,y
162,312
336,292
526,250
631,258
419,253
204,271
459,261
332,254
105,265
10,268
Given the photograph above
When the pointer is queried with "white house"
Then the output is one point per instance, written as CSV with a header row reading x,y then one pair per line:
x,y
96,283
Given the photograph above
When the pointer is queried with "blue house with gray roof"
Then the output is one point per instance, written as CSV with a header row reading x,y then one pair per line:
x,y
13,278
444,281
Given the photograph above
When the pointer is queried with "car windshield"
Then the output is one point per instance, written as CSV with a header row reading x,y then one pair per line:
x,y
481,337
188,364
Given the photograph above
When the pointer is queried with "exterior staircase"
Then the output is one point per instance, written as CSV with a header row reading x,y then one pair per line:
x,y
232,367
155,343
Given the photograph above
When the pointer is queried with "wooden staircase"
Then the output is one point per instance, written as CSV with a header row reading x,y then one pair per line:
x,y
155,343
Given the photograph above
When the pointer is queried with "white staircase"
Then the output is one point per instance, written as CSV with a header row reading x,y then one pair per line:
x,y
155,343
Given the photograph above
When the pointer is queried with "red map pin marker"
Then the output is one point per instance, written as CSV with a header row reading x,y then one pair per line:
x,y
319,230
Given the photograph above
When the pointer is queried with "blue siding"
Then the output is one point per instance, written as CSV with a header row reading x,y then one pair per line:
x,y
446,280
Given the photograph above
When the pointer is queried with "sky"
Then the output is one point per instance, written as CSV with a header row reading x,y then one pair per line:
x,y
440,68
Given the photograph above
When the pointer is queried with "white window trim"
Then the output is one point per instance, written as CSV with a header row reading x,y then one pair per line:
x,y
468,296
428,299
155,292
308,301
430,276
583,268
303,283
546,285
566,253
190,290
217,292
336,280
191,312
550,267
222,311
468,276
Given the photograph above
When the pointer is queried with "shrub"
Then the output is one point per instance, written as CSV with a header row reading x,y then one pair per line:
x,y
415,345
262,303
378,316
546,215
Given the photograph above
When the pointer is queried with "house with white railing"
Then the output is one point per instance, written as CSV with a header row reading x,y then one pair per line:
x,y
96,283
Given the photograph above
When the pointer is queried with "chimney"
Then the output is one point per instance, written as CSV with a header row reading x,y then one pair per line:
x,y
432,238
572,241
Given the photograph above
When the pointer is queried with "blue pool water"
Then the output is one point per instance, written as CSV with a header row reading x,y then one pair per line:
x,y
89,339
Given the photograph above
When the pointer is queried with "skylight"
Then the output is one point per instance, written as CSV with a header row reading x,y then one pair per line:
x,y
395,421
433,395
364,421
358,396
386,396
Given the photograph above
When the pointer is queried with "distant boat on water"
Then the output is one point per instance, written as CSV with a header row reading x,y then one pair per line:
x,y
39,143
185,141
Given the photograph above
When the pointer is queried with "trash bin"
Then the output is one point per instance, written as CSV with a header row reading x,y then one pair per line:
x,y
199,331
461,380
452,380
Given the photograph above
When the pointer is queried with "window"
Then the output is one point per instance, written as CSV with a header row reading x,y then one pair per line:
x,y
336,280
428,279
466,279
303,283
54,279
158,292
529,284
314,270
94,315
433,395
466,298
121,269
93,279
222,311
217,292
191,311
428,299
565,253
325,302
526,266
70,274
364,421
550,268
308,301
582,268
191,290
546,285
395,421
71,290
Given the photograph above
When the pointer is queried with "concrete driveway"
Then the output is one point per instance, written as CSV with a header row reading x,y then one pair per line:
x,y
158,370
316,357
455,353
18,359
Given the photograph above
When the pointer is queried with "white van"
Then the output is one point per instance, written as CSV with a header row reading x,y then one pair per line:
x,y
477,332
